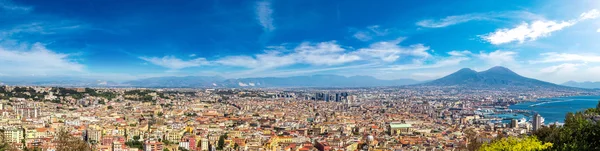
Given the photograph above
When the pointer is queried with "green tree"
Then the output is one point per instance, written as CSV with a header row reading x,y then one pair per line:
x,y
135,143
167,142
221,142
581,131
182,149
516,144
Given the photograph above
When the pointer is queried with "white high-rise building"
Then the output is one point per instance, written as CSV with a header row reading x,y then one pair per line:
x,y
537,122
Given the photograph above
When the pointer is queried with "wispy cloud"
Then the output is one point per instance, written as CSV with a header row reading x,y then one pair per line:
x,y
592,14
553,57
36,59
534,30
323,53
267,60
304,71
525,32
565,67
438,64
455,58
264,15
327,56
362,36
369,32
463,53
10,6
498,57
451,20
41,29
175,63
560,73
390,51
458,19
316,55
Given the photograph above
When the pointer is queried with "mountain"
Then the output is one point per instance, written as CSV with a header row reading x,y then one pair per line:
x,y
316,81
296,81
493,77
586,84
187,81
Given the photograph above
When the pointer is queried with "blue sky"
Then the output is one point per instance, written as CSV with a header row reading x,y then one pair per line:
x,y
552,40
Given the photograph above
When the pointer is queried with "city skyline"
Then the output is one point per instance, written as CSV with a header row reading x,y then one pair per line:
x,y
546,40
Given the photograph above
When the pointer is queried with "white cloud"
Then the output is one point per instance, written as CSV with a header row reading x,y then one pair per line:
x,y
438,64
565,68
460,53
498,57
455,58
264,14
36,59
567,57
457,19
294,72
560,73
390,51
317,55
534,30
175,63
451,20
192,55
10,6
272,59
592,14
378,31
598,30
370,32
328,54
432,74
40,28
525,32
324,53
362,36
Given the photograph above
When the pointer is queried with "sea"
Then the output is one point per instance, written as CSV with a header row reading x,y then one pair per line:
x,y
554,109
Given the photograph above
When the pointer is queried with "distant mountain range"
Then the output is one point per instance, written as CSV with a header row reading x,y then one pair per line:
x,y
296,81
188,81
317,81
496,77
587,84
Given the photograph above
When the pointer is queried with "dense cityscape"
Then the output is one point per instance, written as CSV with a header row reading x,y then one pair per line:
x,y
387,118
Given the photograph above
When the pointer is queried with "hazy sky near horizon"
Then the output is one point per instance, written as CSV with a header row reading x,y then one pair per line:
x,y
551,40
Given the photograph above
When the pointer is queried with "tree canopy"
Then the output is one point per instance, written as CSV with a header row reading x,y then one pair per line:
x,y
581,131
516,144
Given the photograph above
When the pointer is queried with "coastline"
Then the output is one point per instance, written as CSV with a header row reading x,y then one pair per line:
x,y
552,109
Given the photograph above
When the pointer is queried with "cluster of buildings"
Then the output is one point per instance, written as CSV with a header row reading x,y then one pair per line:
x,y
262,120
